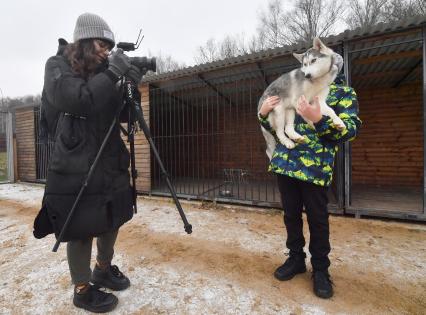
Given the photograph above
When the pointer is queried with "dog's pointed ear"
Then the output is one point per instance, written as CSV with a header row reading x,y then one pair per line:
x,y
318,44
298,57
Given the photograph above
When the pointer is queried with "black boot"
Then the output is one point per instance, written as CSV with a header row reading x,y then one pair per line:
x,y
294,265
322,284
111,278
94,300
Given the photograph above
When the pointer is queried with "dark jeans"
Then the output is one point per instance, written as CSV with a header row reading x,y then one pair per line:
x,y
79,254
294,195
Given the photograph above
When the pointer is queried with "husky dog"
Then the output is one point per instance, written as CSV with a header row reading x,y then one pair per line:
x,y
318,71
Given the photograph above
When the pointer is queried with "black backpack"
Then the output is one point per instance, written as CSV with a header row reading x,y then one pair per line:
x,y
43,125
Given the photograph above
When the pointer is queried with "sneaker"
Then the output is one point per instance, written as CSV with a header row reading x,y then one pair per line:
x,y
291,267
95,300
322,284
111,278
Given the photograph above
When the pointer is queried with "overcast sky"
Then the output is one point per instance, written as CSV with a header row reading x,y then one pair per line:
x,y
29,30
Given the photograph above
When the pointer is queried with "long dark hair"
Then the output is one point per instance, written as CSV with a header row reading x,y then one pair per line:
x,y
82,57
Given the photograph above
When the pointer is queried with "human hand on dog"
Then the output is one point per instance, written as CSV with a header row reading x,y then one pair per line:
x,y
311,112
268,104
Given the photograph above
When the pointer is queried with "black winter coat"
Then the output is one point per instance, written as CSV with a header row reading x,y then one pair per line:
x,y
78,114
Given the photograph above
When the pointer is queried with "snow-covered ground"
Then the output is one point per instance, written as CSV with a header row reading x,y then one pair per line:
x,y
224,267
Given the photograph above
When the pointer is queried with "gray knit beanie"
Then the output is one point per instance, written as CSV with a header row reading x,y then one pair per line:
x,y
92,26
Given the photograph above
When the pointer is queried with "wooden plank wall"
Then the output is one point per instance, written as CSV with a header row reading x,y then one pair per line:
x,y
389,147
142,149
25,144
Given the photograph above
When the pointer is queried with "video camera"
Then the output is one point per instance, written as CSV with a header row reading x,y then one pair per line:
x,y
144,64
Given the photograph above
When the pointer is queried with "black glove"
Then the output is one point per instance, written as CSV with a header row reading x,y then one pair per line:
x,y
119,63
134,75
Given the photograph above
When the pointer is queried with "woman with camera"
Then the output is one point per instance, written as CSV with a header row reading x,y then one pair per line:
x,y
79,103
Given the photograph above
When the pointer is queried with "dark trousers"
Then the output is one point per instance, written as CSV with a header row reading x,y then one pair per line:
x,y
79,254
294,195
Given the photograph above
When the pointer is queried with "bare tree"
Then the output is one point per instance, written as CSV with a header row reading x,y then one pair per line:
x,y
365,13
20,101
257,42
303,21
32,99
277,27
396,10
313,18
230,46
243,46
207,53
272,25
420,7
166,63
4,104
307,19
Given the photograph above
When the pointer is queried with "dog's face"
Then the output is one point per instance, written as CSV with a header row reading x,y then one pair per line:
x,y
316,61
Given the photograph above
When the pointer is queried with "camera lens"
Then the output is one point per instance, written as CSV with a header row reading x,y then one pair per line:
x,y
144,63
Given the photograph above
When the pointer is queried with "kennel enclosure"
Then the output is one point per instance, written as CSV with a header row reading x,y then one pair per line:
x,y
204,124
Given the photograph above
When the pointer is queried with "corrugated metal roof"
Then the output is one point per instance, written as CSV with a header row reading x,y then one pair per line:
x,y
348,35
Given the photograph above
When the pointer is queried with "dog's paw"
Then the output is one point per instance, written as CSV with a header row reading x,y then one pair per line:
x,y
296,137
339,124
301,139
288,143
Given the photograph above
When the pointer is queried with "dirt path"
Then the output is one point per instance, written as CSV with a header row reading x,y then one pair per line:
x,y
224,267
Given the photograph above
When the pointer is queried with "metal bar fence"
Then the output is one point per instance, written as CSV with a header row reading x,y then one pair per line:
x,y
4,147
43,149
386,202
209,140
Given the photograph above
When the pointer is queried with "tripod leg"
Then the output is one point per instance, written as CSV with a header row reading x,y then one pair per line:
x,y
137,110
188,227
134,172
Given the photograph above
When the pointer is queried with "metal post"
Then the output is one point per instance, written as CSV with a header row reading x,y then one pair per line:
x,y
424,118
347,145
10,153
9,141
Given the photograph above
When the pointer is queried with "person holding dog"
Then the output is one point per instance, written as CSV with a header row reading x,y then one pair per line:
x,y
304,175
79,103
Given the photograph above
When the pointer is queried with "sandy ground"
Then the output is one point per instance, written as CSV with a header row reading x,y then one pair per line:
x,y
224,267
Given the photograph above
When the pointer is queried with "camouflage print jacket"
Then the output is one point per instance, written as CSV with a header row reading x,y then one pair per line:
x,y
313,160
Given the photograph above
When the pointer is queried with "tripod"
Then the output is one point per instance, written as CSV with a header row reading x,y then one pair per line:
x,y
135,115
136,112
